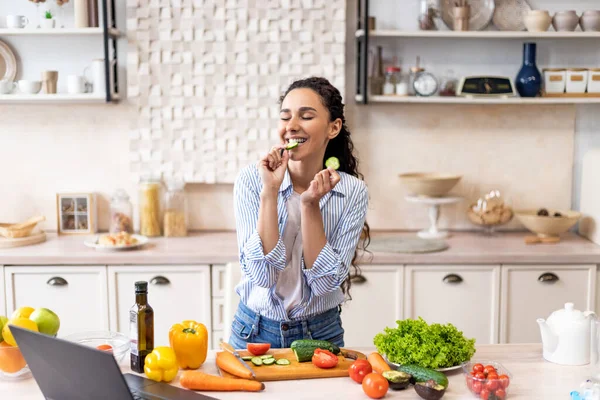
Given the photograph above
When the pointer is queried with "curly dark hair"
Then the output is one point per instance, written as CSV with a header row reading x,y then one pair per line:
x,y
341,147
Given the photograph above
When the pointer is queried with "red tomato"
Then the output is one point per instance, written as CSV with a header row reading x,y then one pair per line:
x,y
375,386
472,373
324,359
480,375
500,394
359,369
478,367
484,395
504,381
492,385
105,347
477,386
489,368
492,375
258,349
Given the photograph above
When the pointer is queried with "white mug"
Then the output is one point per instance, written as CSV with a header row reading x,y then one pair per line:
x,y
30,87
76,84
16,21
6,86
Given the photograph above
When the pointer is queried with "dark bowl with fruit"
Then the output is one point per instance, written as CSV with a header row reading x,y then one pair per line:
x,y
487,380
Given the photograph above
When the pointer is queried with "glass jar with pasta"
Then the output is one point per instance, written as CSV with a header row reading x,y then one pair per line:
x,y
176,219
150,206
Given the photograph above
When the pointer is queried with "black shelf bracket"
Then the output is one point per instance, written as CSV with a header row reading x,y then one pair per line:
x,y
362,51
109,26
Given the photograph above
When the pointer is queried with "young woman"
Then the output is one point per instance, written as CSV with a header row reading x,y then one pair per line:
x,y
299,224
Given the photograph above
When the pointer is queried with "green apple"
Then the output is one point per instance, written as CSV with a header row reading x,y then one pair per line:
x,y
47,321
3,321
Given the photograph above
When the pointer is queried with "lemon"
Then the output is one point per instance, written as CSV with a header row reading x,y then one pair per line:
x,y
22,312
25,323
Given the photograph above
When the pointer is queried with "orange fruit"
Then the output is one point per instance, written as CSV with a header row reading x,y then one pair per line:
x,y
11,359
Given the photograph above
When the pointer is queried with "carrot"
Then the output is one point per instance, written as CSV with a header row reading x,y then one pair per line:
x,y
196,380
228,362
378,363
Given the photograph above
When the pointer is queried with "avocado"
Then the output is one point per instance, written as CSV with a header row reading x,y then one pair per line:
x,y
397,380
430,390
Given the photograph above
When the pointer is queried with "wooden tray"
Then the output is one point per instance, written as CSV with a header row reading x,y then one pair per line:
x,y
35,238
572,95
296,370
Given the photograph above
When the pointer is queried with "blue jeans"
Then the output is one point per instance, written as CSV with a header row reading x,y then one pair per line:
x,y
250,327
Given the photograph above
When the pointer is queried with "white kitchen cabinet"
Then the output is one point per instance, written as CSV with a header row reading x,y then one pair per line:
x,y
376,304
530,292
77,294
175,293
3,296
465,296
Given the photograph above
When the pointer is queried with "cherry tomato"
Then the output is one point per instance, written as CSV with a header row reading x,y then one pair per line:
x,y
500,394
492,375
480,375
477,386
258,349
325,359
375,386
492,385
359,369
105,347
478,367
504,381
472,373
489,368
485,394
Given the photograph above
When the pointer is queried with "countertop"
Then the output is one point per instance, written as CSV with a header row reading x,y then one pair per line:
x,y
221,247
532,378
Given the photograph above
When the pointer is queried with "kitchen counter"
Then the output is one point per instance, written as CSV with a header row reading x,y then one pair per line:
x,y
221,248
532,378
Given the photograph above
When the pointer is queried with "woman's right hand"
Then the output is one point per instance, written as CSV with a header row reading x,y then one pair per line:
x,y
272,168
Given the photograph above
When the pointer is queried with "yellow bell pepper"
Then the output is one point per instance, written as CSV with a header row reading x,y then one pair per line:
x,y
161,364
25,323
189,340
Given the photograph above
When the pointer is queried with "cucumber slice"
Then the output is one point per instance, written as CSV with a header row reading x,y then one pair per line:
x,y
264,357
291,145
283,361
247,358
268,361
257,361
332,162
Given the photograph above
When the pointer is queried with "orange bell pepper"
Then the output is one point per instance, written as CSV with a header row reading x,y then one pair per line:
x,y
189,339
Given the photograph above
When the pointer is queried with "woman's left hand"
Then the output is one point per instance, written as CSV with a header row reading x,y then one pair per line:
x,y
321,184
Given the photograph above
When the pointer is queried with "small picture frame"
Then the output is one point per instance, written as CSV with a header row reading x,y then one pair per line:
x,y
76,213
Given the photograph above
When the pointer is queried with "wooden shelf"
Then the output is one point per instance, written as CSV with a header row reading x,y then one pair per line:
x,y
59,98
57,32
474,100
480,34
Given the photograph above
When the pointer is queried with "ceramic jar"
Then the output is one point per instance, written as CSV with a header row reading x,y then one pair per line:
x,y
555,80
593,80
590,21
577,79
537,20
565,21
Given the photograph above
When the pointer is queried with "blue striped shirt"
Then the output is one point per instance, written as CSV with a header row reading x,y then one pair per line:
x,y
344,211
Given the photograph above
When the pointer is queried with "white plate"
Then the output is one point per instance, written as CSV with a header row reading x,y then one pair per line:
x,y
453,368
510,14
93,243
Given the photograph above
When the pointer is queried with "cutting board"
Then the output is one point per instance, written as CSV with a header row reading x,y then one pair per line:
x,y
296,370
34,238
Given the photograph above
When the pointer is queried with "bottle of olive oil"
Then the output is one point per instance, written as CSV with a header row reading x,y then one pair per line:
x,y
141,318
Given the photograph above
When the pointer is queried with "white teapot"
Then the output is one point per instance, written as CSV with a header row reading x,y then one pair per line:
x,y
569,336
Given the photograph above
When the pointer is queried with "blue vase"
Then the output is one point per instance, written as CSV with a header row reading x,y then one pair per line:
x,y
529,79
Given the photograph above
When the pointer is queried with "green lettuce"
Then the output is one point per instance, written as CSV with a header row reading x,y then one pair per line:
x,y
415,342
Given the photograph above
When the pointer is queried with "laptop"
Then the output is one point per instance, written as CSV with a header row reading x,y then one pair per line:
x,y
66,370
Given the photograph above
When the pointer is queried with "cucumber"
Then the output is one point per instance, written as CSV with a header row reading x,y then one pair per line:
x,y
421,374
305,348
283,361
332,162
266,356
247,358
268,361
291,145
257,361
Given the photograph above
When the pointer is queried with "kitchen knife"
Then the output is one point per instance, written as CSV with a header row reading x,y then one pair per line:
x,y
227,347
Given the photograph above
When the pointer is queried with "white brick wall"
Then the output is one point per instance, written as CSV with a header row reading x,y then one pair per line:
x,y
206,76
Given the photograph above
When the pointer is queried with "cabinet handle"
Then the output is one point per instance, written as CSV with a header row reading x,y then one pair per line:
x,y
57,281
160,280
452,278
548,277
358,279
